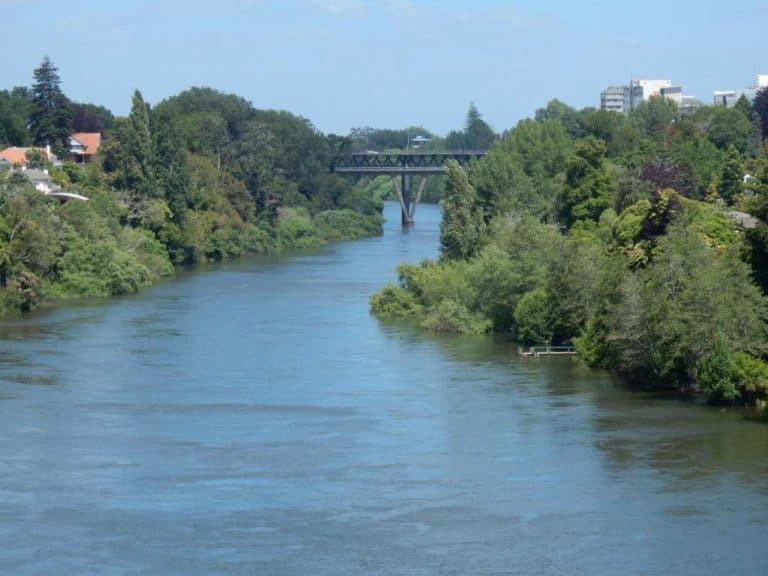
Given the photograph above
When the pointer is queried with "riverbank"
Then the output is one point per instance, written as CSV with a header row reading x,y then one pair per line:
x,y
661,289
85,249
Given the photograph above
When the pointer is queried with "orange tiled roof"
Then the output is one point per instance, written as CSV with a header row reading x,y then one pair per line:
x,y
91,141
16,155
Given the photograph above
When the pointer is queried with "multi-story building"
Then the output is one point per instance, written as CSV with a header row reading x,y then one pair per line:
x,y
730,97
615,99
625,98
725,98
648,88
674,93
688,104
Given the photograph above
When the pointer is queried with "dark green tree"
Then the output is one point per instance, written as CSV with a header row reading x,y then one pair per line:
x,y
729,126
50,114
732,176
477,134
169,161
461,228
744,106
588,184
128,153
760,109
480,136
91,118
14,113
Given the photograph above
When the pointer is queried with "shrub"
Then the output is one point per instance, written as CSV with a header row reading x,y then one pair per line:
x,y
453,316
347,225
534,317
394,302
715,373
751,374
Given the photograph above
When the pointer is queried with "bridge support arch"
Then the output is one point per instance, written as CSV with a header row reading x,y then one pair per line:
x,y
408,204
405,165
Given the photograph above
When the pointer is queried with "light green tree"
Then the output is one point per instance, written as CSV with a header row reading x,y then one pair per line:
x,y
461,228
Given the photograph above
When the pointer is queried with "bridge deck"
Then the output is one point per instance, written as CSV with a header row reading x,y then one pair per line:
x,y
418,163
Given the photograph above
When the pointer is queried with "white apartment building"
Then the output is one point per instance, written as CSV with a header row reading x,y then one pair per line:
x,y
730,97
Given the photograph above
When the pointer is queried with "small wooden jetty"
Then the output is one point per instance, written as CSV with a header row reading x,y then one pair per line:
x,y
539,351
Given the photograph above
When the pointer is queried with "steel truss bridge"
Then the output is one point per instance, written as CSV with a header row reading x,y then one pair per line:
x,y
405,165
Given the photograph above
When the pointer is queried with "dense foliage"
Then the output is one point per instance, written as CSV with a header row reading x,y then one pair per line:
x,y
201,176
615,234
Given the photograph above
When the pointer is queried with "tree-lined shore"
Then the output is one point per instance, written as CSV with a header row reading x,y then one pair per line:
x,y
621,235
200,176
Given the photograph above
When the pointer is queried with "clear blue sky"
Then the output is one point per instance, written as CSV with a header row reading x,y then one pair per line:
x,y
383,63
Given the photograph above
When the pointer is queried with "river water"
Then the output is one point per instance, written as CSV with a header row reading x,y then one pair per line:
x,y
253,418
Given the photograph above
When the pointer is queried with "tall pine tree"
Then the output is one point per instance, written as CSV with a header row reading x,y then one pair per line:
x,y
50,113
732,176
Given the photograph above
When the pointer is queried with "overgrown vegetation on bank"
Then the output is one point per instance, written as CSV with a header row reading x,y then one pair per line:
x,y
615,234
200,176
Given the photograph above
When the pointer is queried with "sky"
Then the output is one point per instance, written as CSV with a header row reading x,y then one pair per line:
x,y
383,63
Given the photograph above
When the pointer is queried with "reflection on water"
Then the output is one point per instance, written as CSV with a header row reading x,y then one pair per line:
x,y
255,419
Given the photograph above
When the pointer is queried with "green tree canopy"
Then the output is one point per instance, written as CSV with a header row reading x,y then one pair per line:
x,y
462,224
589,185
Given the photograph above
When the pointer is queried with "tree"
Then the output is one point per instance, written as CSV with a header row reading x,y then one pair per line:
x,y
655,117
760,108
744,106
732,176
50,114
589,185
462,223
502,187
36,158
14,114
729,126
477,134
128,153
569,117
480,136
169,161
91,118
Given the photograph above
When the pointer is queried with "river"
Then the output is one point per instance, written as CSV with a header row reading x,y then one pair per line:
x,y
253,418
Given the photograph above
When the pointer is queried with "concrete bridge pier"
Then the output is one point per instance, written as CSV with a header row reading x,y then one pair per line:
x,y
408,204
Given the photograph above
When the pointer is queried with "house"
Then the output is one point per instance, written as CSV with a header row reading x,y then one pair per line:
x,y
83,146
40,180
43,182
17,156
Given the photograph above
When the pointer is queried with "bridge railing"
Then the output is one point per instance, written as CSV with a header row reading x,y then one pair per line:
x,y
432,161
